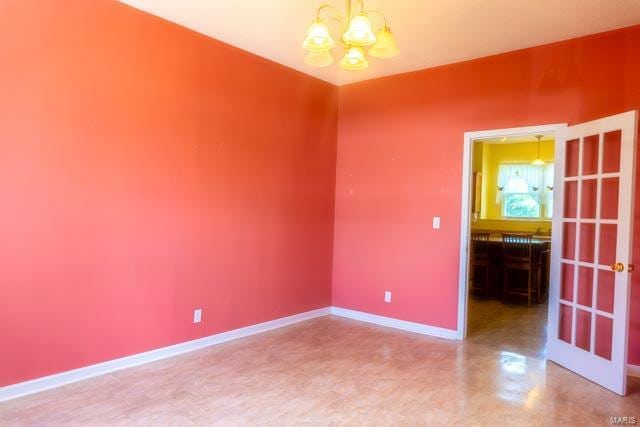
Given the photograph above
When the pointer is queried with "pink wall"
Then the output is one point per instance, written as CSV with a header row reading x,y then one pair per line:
x,y
400,163
145,171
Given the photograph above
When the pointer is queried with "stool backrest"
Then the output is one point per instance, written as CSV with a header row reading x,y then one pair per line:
x,y
517,246
479,243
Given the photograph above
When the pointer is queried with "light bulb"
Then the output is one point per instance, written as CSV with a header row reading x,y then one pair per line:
x,y
359,34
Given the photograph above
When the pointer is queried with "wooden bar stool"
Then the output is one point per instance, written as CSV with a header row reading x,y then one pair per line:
x,y
480,259
544,275
517,250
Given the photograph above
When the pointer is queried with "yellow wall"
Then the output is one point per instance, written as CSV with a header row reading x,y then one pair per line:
x,y
490,156
478,149
479,164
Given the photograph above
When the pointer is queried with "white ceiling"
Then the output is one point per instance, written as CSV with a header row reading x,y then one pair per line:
x,y
429,32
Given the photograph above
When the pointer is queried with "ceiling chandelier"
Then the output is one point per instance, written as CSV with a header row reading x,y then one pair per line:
x,y
357,34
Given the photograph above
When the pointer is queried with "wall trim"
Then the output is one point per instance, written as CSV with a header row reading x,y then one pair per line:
x,y
391,322
56,380
421,328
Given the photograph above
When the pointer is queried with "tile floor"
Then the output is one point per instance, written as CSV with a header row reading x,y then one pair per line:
x,y
337,371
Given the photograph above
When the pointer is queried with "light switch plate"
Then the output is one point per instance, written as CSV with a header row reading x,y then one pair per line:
x,y
387,296
436,222
197,315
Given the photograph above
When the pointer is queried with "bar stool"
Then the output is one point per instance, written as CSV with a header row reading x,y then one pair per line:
x,y
517,250
480,259
544,273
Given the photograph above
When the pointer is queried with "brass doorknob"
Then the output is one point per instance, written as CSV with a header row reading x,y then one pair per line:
x,y
618,267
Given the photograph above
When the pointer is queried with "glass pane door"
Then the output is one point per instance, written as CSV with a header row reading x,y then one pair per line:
x,y
592,228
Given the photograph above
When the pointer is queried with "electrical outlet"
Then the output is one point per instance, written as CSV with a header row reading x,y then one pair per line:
x,y
387,296
197,315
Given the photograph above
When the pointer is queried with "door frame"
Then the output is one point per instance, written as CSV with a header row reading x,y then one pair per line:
x,y
558,130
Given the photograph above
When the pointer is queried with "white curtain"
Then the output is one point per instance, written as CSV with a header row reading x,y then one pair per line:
x,y
522,178
547,189
526,178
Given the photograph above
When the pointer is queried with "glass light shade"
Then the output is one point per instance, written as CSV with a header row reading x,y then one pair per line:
x,y
319,59
385,45
354,59
359,32
318,37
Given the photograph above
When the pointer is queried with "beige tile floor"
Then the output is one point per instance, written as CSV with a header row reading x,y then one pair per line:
x,y
337,371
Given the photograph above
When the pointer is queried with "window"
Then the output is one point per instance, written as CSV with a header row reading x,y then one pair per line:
x,y
525,191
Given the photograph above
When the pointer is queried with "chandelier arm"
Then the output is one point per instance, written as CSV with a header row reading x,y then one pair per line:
x,y
357,8
340,22
328,6
378,13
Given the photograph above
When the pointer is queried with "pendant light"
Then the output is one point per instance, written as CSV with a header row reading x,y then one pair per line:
x,y
538,161
318,37
385,45
354,59
359,32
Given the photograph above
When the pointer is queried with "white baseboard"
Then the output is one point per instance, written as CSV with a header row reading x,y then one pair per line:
x,y
52,381
45,383
420,328
390,322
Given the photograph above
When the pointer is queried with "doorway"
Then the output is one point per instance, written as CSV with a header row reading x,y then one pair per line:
x,y
509,238
594,179
505,192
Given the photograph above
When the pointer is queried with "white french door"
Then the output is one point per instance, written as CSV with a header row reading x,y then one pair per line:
x,y
591,253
